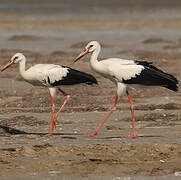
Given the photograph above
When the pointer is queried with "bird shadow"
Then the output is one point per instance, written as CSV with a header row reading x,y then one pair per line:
x,y
13,131
122,137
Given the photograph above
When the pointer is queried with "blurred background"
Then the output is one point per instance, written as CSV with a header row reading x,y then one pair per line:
x,y
123,23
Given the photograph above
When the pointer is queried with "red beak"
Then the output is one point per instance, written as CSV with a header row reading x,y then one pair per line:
x,y
7,65
83,53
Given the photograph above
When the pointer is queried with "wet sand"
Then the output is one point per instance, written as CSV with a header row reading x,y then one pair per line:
x,y
142,31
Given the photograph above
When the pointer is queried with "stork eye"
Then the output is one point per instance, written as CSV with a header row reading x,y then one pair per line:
x,y
91,46
15,58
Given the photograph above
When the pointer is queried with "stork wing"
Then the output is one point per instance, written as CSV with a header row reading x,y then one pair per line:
x,y
47,74
123,69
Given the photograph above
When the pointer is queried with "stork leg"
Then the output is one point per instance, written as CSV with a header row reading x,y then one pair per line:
x,y
133,119
60,110
52,118
106,118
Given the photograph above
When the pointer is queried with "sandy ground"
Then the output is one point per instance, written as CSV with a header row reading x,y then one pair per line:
x,y
56,35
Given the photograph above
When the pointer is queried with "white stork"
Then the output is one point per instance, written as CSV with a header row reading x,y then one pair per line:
x,y
51,76
126,73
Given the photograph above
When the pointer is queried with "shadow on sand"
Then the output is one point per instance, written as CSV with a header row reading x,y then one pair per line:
x,y
122,137
13,131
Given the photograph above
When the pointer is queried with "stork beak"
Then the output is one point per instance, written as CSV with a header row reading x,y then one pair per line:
x,y
83,53
7,65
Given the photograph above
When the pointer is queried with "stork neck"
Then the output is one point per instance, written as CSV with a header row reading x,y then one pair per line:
x,y
94,56
22,67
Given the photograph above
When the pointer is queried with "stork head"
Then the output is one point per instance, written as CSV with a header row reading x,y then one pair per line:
x,y
90,47
18,57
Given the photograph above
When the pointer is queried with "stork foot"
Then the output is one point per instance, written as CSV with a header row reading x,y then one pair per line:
x,y
130,137
49,134
91,135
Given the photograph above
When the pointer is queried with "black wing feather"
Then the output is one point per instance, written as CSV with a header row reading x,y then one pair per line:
x,y
152,76
75,77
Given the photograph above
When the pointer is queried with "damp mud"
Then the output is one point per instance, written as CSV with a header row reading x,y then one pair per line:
x,y
51,33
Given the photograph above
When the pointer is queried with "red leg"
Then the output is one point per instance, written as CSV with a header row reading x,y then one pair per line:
x,y
133,120
60,110
52,118
106,118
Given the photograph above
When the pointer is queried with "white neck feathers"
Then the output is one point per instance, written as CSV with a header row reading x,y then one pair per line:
x,y
22,67
93,60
